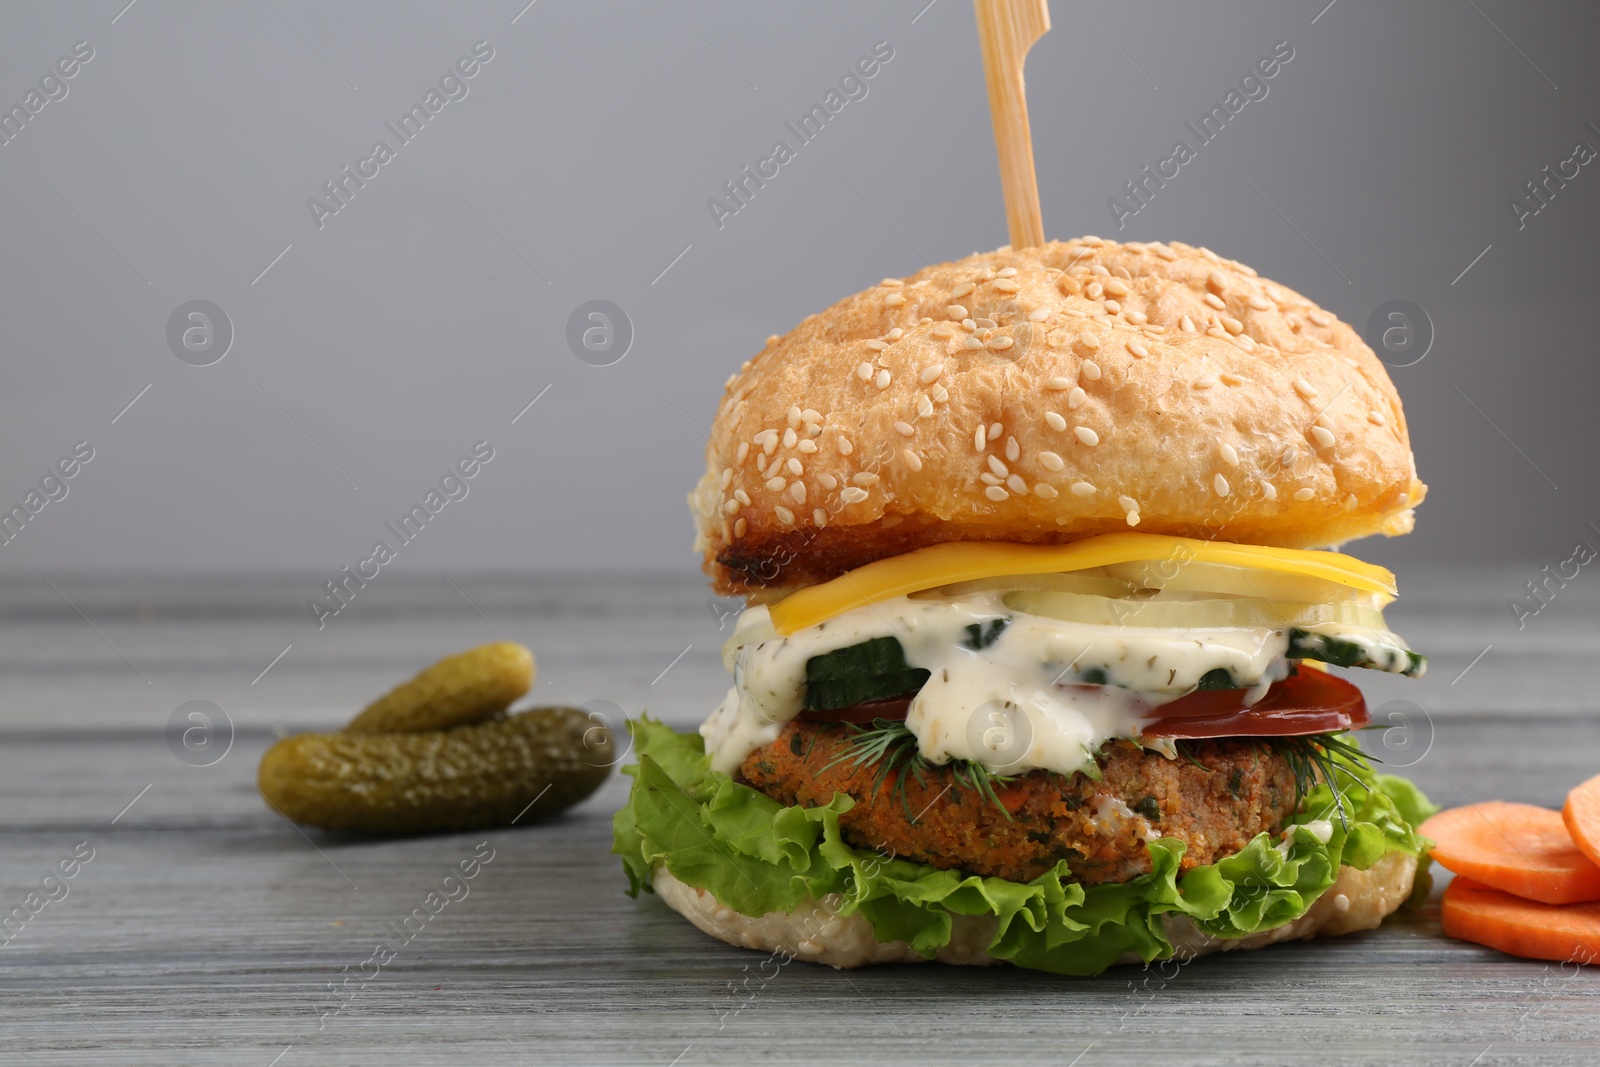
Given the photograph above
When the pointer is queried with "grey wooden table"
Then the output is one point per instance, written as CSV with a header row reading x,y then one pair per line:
x,y
207,930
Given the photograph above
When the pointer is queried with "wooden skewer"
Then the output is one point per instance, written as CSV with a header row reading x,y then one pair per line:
x,y
1006,30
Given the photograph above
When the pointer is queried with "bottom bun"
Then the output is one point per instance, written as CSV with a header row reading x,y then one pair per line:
x,y
817,933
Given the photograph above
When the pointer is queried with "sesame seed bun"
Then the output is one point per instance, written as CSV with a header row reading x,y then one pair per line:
x,y
1046,395
817,933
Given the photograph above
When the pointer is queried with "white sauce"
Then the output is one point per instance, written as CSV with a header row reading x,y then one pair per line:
x,y
1045,695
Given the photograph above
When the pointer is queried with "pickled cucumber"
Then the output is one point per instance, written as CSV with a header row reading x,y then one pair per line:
x,y
472,686
495,773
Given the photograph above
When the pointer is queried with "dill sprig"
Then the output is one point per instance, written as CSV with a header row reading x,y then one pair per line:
x,y
890,745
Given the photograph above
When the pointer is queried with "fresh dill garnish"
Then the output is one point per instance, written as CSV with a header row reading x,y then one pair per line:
x,y
892,747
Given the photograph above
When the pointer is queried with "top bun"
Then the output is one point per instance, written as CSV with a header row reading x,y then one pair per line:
x,y
1046,395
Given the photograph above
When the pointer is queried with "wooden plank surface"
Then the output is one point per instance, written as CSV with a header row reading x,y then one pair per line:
x,y
206,930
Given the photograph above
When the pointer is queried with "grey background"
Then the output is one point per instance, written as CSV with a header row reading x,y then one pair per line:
x,y
430,311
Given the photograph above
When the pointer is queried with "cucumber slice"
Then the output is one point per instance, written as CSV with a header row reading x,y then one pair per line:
x,y
1350,651
872,670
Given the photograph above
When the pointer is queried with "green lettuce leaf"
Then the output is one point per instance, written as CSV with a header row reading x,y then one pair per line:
x,y
756,856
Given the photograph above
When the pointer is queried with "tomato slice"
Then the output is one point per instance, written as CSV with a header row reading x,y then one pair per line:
x,y
892,708
1308,702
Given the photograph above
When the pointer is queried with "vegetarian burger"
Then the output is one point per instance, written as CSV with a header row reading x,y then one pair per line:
x,y
1036,663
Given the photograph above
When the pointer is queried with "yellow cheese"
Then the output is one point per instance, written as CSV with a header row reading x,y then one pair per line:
x,y
960,561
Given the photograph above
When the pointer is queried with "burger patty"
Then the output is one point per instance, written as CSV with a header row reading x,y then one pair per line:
x,y
1236,789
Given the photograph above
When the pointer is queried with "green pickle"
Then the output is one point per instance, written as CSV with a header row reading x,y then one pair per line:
x,y
469,687
494,773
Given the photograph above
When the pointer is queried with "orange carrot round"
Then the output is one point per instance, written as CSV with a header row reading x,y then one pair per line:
x,y
1517,848
1566,932
1582,815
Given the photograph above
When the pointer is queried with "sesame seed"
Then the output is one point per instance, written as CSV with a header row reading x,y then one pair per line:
x,y
1051,461
852,495
793,416
1099,269
740,526
894,300
1166,252
1216,280
1304,494
777,485
1232,325
844,446
1376,418
944,329
973,343
864,478
1017,485
798,491
1116,288
1006,272
1290,457
1069,285
783,513
924,407
1186,324
727,476
989,478
1090,370
956,312
985,275
894,334
998,467
1013,450
1138,318
1058,382
969,325
1232,379
877,346
1259,302
1095,291
807,446
1127,503
1133,518
1305,388
1086,435
891,283
864,372
940,394
743,453
997,494
1000,343
1246,342
995,430
882,380
789,438
1205,381
1269,490
1220,485
1076,398
1113,307
1323,436
795,468
904,429
930,373
1230,455
1137,350
742,497
1213,300
912,460
979,438
1044,491
1039,315
1320,317
1083,489
1350,502
1006,286
729,506
827,481
962,290
1056,421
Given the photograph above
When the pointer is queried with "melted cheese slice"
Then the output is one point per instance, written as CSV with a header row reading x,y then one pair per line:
x,y
961,561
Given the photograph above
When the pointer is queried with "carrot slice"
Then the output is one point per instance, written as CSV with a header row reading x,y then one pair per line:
x,y
1582,815
1566,932
1518,848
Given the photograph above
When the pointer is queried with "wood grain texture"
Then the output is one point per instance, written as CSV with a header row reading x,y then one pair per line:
x,y
1006,30
205,930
